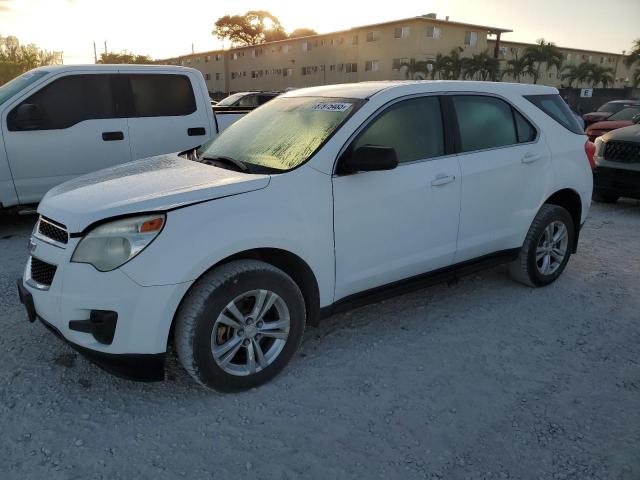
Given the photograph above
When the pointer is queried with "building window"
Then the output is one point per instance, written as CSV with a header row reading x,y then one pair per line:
x,y
371,66
218,57
256,52
401,32
234,56
351,67
433,32
354,40
332,68
306,46
398,62
287,72
218,76
471,38
373,36
207,58
207,76
234,75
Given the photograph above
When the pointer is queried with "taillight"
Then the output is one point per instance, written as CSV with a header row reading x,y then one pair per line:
x,y
590,150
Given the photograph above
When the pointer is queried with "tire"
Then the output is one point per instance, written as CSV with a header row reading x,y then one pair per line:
x,y
605,197
530,270
205,322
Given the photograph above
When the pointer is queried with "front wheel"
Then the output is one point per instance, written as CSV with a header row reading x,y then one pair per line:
x,y
239,325
546,249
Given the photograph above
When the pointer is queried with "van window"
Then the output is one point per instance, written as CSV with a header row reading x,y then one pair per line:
x,y
161,95
412,127
70,100
484,122
554,106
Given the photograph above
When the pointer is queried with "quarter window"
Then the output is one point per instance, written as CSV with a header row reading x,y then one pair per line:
x,y
488,122
161,95
412,127
70,100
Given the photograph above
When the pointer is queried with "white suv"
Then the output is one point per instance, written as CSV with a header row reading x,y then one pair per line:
x,y
319,200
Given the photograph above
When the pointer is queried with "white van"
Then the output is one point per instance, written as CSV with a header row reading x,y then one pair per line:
x,y
64,121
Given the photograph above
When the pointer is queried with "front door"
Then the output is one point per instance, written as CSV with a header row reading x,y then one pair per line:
x,y
74,129
391,225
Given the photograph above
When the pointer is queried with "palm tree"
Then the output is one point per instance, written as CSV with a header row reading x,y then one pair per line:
x,y
517,68
634,55
600,75
415,70
635,79
542,52
456,63
577,73
440,66
481,66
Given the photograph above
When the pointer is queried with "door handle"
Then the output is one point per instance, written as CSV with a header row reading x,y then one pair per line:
x,y
111,136
442,180
530,158
196,131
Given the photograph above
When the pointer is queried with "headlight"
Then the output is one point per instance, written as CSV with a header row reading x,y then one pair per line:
x,y
113,244
599,143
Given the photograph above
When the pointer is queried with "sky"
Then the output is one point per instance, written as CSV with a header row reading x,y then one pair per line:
x,y
164,29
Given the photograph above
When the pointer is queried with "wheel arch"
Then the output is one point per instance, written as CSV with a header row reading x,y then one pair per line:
x,y
570,200
288,262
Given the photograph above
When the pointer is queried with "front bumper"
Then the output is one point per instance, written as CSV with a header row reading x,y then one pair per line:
x,y
616,181
139,367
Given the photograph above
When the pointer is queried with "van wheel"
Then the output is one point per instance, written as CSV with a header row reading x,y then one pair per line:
x,y
239,325
546,249
604,197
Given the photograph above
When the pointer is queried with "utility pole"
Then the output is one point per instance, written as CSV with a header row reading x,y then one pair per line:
x,y
105,47
192,48
95,53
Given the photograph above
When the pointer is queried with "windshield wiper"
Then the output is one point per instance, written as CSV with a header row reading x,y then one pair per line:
x,y
230,161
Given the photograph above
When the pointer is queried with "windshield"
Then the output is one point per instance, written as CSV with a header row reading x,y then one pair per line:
x,y
625,114
611,107
283,133
14,86
230,100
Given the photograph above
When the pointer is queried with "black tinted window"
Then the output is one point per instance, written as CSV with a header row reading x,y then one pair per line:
x,y
554,106
413,127
484,122
526,132
161,95
70,100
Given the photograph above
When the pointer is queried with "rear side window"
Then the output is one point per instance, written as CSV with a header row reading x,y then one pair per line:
x,y
525,131
556,108
70,100
161,95
412,127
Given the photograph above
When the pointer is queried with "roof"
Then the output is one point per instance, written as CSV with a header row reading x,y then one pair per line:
x,y
525,44
364,90
111,67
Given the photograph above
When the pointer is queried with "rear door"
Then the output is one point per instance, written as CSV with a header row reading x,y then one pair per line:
x,y
79,131
506,171
163,114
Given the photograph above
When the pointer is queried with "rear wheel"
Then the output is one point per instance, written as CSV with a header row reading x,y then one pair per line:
x,y
546,249
240,325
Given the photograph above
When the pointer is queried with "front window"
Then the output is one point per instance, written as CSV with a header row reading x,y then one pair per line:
x,y
23,81
625,114
283,133
611,107
231,99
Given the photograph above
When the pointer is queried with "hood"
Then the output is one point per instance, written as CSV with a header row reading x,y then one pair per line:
x,y
151,184
626,134
609,125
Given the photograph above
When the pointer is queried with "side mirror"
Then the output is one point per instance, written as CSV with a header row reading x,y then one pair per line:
x,y
29,117
368,158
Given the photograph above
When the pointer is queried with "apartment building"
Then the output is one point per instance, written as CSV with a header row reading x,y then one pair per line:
x,y
508,50
369,52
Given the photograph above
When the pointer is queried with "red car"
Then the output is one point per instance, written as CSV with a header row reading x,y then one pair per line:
x,y
606,110
623,118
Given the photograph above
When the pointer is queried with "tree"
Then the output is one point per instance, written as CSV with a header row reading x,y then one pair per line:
x,y
415,70
302,32
16,59
252,28
542,53
635,79
576,73
517,68
124,57
634,54
440,67
481,66
456,63
600,75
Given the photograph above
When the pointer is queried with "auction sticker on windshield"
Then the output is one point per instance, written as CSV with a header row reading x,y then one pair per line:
x,y
331,107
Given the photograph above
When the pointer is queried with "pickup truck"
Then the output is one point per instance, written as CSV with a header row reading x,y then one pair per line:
x,y
60,122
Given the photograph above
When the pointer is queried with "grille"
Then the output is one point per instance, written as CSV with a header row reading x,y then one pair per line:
x,y
623,152
42,272
54,232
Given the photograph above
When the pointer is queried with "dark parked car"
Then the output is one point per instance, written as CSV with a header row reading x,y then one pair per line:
x,y
245,100
606,110
617,170
623,118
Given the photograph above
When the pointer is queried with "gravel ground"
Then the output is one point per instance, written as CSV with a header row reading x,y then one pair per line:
x,y
481,379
